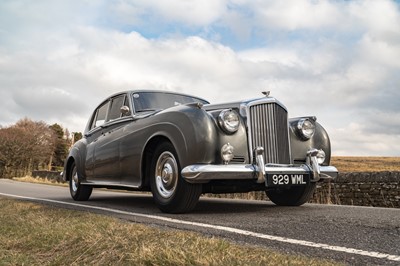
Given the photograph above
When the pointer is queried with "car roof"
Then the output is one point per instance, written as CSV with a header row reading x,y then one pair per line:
x,y
154,91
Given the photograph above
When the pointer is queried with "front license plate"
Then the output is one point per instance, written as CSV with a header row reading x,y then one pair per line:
x,y
274,180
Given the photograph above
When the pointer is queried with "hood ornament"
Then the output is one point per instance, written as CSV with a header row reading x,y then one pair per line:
x,y
266,93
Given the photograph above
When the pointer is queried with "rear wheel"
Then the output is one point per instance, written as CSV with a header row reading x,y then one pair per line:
x,y
294,196
78,191
171,192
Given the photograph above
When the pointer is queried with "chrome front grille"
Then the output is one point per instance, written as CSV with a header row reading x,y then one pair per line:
x,y
268,128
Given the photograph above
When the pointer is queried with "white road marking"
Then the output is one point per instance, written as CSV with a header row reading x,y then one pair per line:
x,y
372,254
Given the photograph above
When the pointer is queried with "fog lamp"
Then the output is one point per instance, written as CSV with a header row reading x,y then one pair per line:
x,y
321,157
227,153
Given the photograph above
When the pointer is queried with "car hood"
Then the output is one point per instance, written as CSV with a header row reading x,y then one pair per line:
x,y
211,107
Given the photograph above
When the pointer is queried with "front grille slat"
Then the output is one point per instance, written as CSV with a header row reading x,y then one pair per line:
x,y
269,129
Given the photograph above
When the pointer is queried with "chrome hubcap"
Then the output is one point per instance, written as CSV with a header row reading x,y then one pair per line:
x,y
166,175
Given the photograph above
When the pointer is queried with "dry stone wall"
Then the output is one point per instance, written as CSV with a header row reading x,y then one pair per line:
x,y
377,189
51,175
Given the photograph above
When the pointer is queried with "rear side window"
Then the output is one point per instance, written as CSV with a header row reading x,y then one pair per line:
x,y
115,110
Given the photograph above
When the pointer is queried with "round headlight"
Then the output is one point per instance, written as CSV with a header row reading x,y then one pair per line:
x,y
229,121
306,128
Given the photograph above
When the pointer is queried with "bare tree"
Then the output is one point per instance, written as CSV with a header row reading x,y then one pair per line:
x,y
25,146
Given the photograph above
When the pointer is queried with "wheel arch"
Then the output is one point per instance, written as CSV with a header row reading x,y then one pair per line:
x,y
148,153
67,168
73,157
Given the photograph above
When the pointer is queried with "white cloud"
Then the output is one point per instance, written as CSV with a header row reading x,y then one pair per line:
x,y
297,14
332,59
189,12
356,139
381,18
193,12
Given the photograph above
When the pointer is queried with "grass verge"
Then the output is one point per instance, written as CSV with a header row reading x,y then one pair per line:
x,y
33,234
39,180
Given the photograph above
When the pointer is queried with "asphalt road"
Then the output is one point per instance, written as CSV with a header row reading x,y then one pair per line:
x,y
347,234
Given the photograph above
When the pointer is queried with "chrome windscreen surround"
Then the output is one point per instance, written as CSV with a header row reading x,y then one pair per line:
x,y
268,127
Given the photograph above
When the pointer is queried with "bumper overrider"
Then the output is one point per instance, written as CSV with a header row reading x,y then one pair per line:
x,y
270,174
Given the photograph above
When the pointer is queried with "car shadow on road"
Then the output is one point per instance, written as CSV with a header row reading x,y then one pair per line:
x,y
212,205
144,203
124,201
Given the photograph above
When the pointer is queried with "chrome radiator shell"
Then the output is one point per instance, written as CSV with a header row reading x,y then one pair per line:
x,y
268,127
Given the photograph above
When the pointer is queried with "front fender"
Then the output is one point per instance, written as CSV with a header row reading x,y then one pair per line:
x,y
196,135
193,133
205,138
190,130
299,148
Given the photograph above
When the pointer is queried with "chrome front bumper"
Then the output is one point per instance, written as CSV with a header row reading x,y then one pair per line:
x,y
202,173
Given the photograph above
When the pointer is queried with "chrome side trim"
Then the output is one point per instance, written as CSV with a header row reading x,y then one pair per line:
x,y
108,184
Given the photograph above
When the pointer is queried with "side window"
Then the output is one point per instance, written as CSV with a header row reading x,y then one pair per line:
x,y
101,115
115,110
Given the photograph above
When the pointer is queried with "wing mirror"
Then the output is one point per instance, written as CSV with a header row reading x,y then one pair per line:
x,y
125,110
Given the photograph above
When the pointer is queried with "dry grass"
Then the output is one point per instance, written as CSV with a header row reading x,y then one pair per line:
x,y
366,164
32,234
40,180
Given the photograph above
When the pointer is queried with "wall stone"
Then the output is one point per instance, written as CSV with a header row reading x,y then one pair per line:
x,y
376,189
52,175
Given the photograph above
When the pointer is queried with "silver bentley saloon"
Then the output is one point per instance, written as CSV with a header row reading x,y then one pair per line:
x,y
179,146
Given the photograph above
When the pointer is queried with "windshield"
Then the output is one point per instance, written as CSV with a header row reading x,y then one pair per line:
x,y
151,101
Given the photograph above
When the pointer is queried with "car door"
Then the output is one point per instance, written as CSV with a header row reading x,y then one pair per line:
x,y
98,119
107,147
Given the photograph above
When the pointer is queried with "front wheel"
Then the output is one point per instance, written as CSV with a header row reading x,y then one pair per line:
x,y
78,191
171,192
294,196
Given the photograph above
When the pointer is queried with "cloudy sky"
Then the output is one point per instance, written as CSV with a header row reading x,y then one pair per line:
x,y
337,60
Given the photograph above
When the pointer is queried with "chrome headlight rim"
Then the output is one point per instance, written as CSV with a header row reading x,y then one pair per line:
x,y
306,128
229,121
